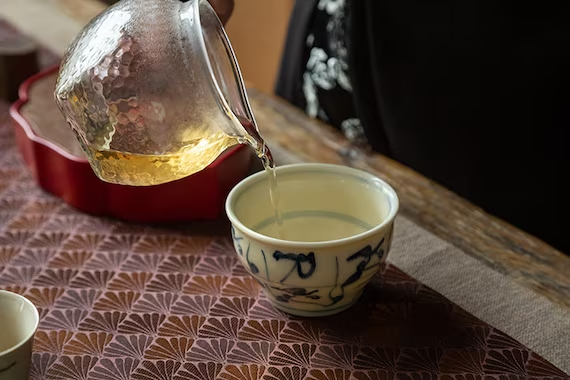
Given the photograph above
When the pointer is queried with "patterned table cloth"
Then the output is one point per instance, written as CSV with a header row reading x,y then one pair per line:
x,y
127,301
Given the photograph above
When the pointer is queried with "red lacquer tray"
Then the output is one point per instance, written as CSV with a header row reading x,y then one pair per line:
x,y
59,166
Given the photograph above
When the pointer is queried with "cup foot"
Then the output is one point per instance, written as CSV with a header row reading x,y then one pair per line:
x,y
325,312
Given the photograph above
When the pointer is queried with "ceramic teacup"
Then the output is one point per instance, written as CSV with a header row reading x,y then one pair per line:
x,y
337,230
19,321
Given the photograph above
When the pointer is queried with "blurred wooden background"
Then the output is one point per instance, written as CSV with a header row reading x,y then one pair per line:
x,y
257,31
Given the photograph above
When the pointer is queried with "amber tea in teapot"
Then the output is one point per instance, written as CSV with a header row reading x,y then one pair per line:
x,y
153,93
153,169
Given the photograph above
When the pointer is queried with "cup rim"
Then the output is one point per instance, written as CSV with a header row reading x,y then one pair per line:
x,y
36,324
247,182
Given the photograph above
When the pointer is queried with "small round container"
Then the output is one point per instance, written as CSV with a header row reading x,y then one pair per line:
x,y
19,321
336,232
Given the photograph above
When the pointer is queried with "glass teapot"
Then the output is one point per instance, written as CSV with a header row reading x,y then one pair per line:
x,y
153,91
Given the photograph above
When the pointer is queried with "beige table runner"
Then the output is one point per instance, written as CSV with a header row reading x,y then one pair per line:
x,y
526,316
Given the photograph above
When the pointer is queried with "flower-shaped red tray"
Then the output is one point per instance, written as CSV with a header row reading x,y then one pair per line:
x,y
59,166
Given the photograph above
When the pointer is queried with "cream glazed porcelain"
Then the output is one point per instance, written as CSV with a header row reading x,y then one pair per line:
x,y
19,320
337,230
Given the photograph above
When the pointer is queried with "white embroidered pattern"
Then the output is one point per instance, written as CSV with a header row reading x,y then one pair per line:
x,y
325,72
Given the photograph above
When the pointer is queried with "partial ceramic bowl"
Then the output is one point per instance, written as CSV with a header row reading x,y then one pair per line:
x,y
59,166
337,231
19,320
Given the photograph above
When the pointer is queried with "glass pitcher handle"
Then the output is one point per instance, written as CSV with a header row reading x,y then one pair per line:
x,y
226,75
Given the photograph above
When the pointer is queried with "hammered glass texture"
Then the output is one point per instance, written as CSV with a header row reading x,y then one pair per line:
x,y
136,79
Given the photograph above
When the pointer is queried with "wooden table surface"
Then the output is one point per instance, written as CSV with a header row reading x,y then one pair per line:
x,y
523,258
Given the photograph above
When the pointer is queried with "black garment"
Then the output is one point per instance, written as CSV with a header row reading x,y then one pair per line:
x,y
326,90
473,94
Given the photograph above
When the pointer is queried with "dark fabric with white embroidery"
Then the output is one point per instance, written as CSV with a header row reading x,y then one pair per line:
x,y
325,91
473,95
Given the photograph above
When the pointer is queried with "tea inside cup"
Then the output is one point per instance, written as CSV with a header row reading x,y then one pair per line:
x,y
337,229
316,205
